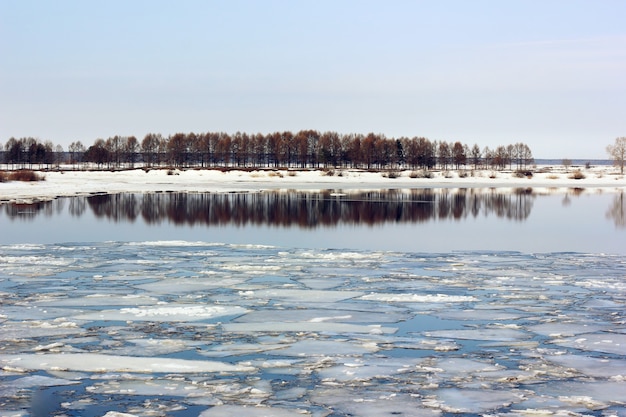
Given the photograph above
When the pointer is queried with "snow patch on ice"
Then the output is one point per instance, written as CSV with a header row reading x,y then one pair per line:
x,y
455,400
93,362
165,313
418,298
251,411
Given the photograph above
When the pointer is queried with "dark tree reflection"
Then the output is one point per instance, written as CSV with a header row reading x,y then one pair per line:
x,y
116,207
27,211
617,211
308,210
288,209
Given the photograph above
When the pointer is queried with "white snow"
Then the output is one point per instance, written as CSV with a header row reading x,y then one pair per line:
x,y
93,362
70,183
595,367
165,313
251,411
420,298
455,400
501,334
600,342
307,326
302,296
373,402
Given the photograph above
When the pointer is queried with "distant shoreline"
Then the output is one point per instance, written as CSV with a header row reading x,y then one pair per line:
x,y
75,183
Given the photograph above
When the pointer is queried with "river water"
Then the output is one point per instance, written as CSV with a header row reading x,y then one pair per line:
x,y
421,302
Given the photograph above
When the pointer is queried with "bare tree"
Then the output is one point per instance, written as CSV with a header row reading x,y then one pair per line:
x,y
368,149
618,152
476,154
510,155
566,164
77,151
98,153
458,154
306,148
500,157
13,151
59,155
527,156
150,148
444,153
131,148
178,148
488,157
426,153
115,146
326,151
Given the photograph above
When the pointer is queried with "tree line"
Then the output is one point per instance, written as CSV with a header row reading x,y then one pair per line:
x,y
303,149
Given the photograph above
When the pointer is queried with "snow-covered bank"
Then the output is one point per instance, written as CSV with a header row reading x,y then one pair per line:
x,y
70,183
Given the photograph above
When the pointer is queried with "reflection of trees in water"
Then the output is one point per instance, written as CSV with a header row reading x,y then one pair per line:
x,y
617,211
31,210
77,206
116,207
305,209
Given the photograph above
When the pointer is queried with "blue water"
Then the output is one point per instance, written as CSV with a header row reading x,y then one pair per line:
x,y
447,315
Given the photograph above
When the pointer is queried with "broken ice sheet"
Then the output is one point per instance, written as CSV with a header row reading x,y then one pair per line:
x,y
371,402
418,298
455,400
495,334
490,314
595,367
165,312
360,369
93,362
285,295
12,387
576,396
309,342
307,326
558,329
463,367
251,411
39,328
176,387
100,299
182,285
233,349
597,342
414,343
332,348
156,347
36,312
322,315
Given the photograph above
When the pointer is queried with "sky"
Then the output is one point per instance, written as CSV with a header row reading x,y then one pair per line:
x,y
548,73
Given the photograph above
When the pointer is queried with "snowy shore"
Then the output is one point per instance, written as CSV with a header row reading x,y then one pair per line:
x,y
71,183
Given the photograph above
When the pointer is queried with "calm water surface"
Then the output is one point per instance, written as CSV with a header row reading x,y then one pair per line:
x,y
419,220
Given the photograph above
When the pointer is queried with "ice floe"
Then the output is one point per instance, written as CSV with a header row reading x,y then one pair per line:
x,y
420,298
246,411
92,362
598,342
210,329
165,313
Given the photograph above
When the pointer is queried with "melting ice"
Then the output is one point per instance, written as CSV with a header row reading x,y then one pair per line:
x,y
198,329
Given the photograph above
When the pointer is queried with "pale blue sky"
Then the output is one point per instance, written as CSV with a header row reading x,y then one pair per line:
x,y
549,73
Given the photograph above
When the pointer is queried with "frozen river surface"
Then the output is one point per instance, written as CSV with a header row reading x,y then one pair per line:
x,y
183,328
